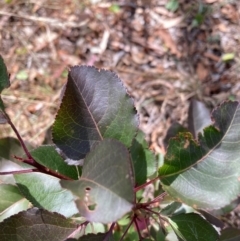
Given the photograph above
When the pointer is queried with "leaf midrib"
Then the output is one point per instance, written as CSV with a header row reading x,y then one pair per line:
x,y
95,123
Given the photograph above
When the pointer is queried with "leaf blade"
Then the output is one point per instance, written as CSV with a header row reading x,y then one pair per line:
x,y
144,161
230,234
95,106
49,157
35,224
192,171
4,83
94,237
198,117
44,191
11,201
4,78
191,226
106,183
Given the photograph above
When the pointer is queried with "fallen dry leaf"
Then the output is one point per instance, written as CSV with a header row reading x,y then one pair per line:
x,y
202,71
211,1
169,42
230,12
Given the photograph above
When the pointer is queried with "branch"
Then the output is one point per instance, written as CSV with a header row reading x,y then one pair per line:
x,y
138,229
145,184
18,136
42,168
125,232
106,238
19,172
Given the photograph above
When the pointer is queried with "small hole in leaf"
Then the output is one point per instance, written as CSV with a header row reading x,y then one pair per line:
x,y
87,189
92,207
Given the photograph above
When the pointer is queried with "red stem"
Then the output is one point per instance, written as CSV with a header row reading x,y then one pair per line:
x,y
139,232
76,231
145,184
150,210
30,159
19,172
106,238
129,225
156,199
19,137
42,168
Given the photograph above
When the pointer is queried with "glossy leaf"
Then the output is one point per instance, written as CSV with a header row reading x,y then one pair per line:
x,y
205,174
230,234
37,225
95,106
192,227
144,161
106,183
11,201
49,157
198,117
44,191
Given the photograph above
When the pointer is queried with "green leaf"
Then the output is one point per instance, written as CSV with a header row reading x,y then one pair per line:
x,y
192,227
4,83
49,157
105,189
10,147
11,201
94,237
172,5
174,129
95,106
115,8
44,191
9,166
4,78
144,161
157,233
9,195
212,219
230,234
17,207
37,225
22,75
228,56
205,174
198,117
171,208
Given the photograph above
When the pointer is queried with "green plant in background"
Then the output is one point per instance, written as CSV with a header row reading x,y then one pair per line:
x,y
115,8
99,181
172,5
201,14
